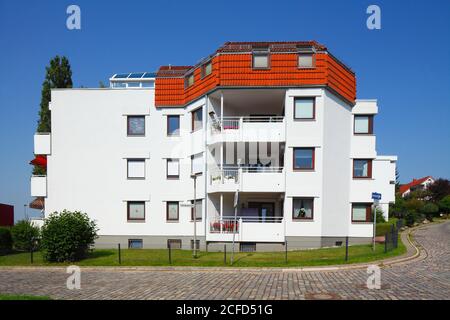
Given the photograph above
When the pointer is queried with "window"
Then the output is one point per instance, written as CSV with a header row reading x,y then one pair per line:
x,y
174,243
198,210
304,158
135,244
172,208
304,108
305,60
197,242
136,210
363,125
260,59
173,125
136,168
197,163
197,119
206,69
136,125
361,212
362,168
189,81
173,168
302,208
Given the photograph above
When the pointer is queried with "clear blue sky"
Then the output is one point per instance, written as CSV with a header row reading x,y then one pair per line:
x,y
405,65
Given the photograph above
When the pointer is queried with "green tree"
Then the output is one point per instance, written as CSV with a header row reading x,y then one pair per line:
x,y
430,210
24,235
444,205
439,189
67,236
58,75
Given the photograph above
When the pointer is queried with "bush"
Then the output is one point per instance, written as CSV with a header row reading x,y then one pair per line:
x,y
67,236
24,235
430,210
380,216
444,205
5,241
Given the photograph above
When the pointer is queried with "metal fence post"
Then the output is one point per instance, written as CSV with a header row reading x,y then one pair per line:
x,y
224,254
285,252
120,256
31,254
386,236
346,248
170,253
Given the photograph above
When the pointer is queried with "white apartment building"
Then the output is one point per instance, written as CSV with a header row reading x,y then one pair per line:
x,y
275,123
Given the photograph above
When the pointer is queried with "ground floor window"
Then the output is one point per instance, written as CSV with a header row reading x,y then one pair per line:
x,y
361,212
197,242
135,243
198,210
174,243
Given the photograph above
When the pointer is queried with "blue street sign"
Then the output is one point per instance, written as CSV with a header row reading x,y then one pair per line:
x,y
376,196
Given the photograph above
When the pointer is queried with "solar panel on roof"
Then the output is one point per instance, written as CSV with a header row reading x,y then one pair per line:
x,y
136,75
121,75
149,75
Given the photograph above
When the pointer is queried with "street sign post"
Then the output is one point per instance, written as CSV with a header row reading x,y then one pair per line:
x,y
376,197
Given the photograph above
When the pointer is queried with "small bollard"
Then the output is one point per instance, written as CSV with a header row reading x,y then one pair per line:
x,y
285,252
120,256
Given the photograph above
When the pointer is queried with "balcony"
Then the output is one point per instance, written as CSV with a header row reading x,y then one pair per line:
x,y
248,229
39,186
247,129
42,144
247,179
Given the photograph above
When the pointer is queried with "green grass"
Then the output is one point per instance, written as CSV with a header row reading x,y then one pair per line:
x,y
22,297
156,257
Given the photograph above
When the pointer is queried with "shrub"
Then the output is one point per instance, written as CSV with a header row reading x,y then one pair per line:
x,y
444,205
430,210
24,234
67,236
380,216
5,241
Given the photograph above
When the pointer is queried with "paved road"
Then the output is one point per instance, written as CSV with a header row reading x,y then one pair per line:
x,y
427,277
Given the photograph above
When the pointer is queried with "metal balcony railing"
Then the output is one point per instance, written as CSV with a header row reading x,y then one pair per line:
x,y
235,123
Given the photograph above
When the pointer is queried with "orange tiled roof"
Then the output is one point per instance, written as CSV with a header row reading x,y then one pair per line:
x,y
405,187
232,67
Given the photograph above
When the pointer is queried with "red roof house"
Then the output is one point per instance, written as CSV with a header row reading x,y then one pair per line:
x,y
416,184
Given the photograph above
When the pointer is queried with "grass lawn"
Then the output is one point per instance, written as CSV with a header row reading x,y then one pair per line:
x,y
22,297
159,257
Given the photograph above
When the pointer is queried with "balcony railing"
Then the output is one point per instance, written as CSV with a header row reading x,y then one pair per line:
x,y
236,123
38,186
227,225
232,174
42,143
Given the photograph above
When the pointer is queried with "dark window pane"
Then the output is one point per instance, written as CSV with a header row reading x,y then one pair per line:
x,y
173,123
360,168
303,158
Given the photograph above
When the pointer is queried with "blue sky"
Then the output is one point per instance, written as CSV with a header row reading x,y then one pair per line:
x,y
405,65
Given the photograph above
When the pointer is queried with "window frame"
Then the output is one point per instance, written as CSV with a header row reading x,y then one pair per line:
x,y
368,212
313,58
178,241
313,160
168,126
313,111
204,74
192,210
370,124
265,52
293,208
172,177
141,240
128,211
129,134
186,80
128,169
192,119
369,169
167,211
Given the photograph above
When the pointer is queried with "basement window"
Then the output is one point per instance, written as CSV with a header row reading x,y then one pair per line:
x,y
135,244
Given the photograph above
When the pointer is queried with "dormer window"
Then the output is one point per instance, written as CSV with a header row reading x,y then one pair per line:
x,y
189,81
306,58
207,69
260,59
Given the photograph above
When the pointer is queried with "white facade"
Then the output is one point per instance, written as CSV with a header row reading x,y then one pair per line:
x,y
88,149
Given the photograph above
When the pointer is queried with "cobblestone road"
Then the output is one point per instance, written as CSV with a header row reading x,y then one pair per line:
x,y
427,277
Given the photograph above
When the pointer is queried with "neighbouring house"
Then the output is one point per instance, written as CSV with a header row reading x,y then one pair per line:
x,y
415,184
6,215
270,131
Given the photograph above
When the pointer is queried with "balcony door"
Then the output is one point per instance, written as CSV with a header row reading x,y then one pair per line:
x,y
265,210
